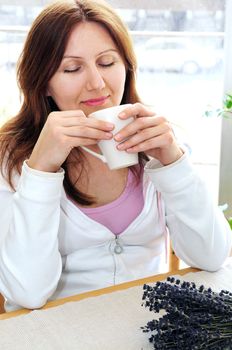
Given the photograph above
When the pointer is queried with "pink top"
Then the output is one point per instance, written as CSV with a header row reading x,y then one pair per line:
x,y
118,215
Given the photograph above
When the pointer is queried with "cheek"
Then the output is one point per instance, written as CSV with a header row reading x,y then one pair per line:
x,y
119,79
63,89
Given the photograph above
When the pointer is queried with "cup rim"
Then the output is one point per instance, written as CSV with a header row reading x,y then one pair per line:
x,y
109,108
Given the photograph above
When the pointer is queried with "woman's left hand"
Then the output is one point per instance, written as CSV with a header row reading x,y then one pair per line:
x,y
149,133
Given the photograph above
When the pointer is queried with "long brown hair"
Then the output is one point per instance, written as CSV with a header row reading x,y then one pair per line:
x,y
41,56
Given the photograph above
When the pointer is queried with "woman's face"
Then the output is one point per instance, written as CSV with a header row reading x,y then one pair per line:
x,y
92,73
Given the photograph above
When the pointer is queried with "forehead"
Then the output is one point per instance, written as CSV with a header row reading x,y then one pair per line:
x,y
87,37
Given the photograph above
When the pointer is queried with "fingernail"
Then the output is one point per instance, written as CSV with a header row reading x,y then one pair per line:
x,y
120,146
118,137
110,125
122,115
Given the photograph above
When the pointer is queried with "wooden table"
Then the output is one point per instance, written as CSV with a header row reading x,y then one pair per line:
x,y
102,291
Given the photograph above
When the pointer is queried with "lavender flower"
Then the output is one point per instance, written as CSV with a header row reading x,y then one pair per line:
x,y
194,318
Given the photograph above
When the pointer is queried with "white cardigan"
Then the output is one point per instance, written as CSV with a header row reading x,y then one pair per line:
x,y
50,249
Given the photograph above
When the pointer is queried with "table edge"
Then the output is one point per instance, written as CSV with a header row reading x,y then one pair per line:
x,y
94,293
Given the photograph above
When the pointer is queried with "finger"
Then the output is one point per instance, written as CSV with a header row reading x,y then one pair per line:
x,y
138,125
80,141
88,122
143,135
77,117
67,114
83,121
84,131
70,142
161,141
137,110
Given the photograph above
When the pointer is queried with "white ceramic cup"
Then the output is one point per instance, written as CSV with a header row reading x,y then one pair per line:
x,y
114,158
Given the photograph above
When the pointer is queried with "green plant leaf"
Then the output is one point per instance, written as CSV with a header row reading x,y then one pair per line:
x,y
230,222
221,112
229,104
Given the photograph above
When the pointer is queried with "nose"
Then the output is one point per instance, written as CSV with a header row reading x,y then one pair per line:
x,y
95,80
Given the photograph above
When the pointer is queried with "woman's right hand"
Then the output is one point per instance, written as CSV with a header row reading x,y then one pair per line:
x,y
63,131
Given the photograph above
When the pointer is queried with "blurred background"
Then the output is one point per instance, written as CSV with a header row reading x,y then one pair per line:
x,y
180,47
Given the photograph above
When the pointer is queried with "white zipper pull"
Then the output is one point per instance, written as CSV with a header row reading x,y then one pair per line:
x,y
118,249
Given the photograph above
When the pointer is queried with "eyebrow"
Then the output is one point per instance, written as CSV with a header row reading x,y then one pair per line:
x,y
100,53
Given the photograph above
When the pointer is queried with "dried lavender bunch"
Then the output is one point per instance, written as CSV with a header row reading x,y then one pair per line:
x,y
193,318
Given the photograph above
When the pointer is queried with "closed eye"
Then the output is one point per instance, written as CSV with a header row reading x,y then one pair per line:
x,y
106,64
72,70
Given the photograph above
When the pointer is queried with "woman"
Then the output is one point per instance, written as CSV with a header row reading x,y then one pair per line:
x,y
68,223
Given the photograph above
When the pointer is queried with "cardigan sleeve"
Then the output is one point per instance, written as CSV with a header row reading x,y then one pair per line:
x,y
199,232
30,263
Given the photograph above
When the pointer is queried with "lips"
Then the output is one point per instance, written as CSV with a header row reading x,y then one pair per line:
x,y
96,101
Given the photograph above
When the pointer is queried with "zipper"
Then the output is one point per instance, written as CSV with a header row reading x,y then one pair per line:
x,y
118,249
